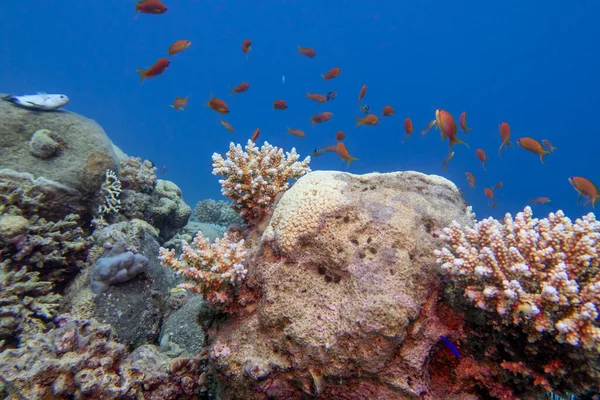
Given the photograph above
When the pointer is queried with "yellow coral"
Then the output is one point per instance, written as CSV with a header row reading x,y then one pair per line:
x,y
541,274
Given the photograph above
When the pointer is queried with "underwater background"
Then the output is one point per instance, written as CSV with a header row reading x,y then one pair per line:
x,y
530,64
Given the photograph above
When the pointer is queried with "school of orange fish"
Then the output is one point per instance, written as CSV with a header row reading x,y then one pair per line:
x,y
443,119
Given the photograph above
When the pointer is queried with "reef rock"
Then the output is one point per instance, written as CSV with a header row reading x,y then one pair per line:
x,y
61,146
170,213
345,288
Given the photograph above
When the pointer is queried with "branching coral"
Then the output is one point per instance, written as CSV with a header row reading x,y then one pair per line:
x,y
210,268
252,179
137,175
543,275
109,193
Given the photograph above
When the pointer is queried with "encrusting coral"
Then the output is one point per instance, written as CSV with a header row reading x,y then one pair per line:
x,y
137,175
211,268
253,179
541,274
215,212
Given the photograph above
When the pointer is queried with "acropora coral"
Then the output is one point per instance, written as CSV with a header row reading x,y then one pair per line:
x,y
253,178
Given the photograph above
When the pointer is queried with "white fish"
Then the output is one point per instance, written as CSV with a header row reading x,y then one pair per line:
x,y
40,101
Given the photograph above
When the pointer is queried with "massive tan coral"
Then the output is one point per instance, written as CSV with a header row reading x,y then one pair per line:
x,y
253,179
543,275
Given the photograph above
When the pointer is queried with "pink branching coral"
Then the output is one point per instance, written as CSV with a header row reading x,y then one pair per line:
x,y
252,179
208,267
543,275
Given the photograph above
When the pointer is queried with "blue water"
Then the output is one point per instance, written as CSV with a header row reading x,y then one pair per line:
x,y
534,66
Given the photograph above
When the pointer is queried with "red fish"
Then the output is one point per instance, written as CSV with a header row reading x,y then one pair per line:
x,y
585,188
540,200
307,51
255,135
333,73
498,185
227,126
180,102
482,157
246,47
150,7
158,68
388,111
463,123
408,128
179,46
362,93
370,119
323,117
533,146
471,179
447,127
489,193
342,151
242,87
217,105
339,136
319,98
280,105
548,145
296,132
447,160
494,204
505,136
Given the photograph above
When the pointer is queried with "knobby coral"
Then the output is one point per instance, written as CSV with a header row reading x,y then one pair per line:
x,y
540,274
210,268
252,179
137,175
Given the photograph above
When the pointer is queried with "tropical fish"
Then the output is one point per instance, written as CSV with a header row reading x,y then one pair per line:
x,y
364,108
158,68
447,160
408,128
331,96
163,169
296,132
307,51
150,7
280,105
332,73
217,105
255,135
246,47
388,111
178,46
227,126
428,128
319,151
540,200
319,98
180,102
482,157
505,136
498,185
322,117
450,346
447,127
339,135
471,179
463,123
242,87
342,151
493,204
370,119
548,145
363,91
40,101
489,193
533,146
585,188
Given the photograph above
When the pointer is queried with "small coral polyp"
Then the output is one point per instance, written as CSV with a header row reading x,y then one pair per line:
x,y
253,179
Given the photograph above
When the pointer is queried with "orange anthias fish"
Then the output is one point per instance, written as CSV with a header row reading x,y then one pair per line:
x,y
463,123
218,105
498,185
408,128
370,119
323,117
471,179
482,157
242,87
255,135
428,128
179,46
342,151
339,136
494,204
548,145
447,127
505,136
363,91
388,111
489,193
533,146
296,132
319,98
540,200
447,160
306,51
333,73
227,126
246,47
158,68
180,102
280,105
150,7
585,188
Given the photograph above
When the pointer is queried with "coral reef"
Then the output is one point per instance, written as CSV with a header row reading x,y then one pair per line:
x,y
169,213
109,194
212,269
137,175
116,266
253,178
216,212
45,144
